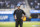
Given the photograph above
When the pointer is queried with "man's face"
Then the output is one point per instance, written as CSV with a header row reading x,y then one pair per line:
x,y
18,7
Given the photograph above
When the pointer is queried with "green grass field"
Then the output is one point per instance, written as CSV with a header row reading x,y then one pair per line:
x,y
25,24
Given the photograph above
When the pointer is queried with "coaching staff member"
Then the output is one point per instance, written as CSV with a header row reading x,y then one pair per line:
x,y
18,17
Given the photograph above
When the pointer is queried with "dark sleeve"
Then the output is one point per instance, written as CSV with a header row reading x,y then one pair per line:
x,y
23,12
14,12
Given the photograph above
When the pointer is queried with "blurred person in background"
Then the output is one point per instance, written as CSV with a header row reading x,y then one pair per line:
x,y
31,4
1,4
12,6
19,16
36,7
39,15
4,5
35,1
7,4
23,4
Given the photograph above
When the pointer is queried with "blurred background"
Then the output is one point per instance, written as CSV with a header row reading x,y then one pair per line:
x,y
30,7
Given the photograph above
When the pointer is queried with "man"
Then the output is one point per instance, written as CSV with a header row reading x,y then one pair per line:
x,y
19,17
